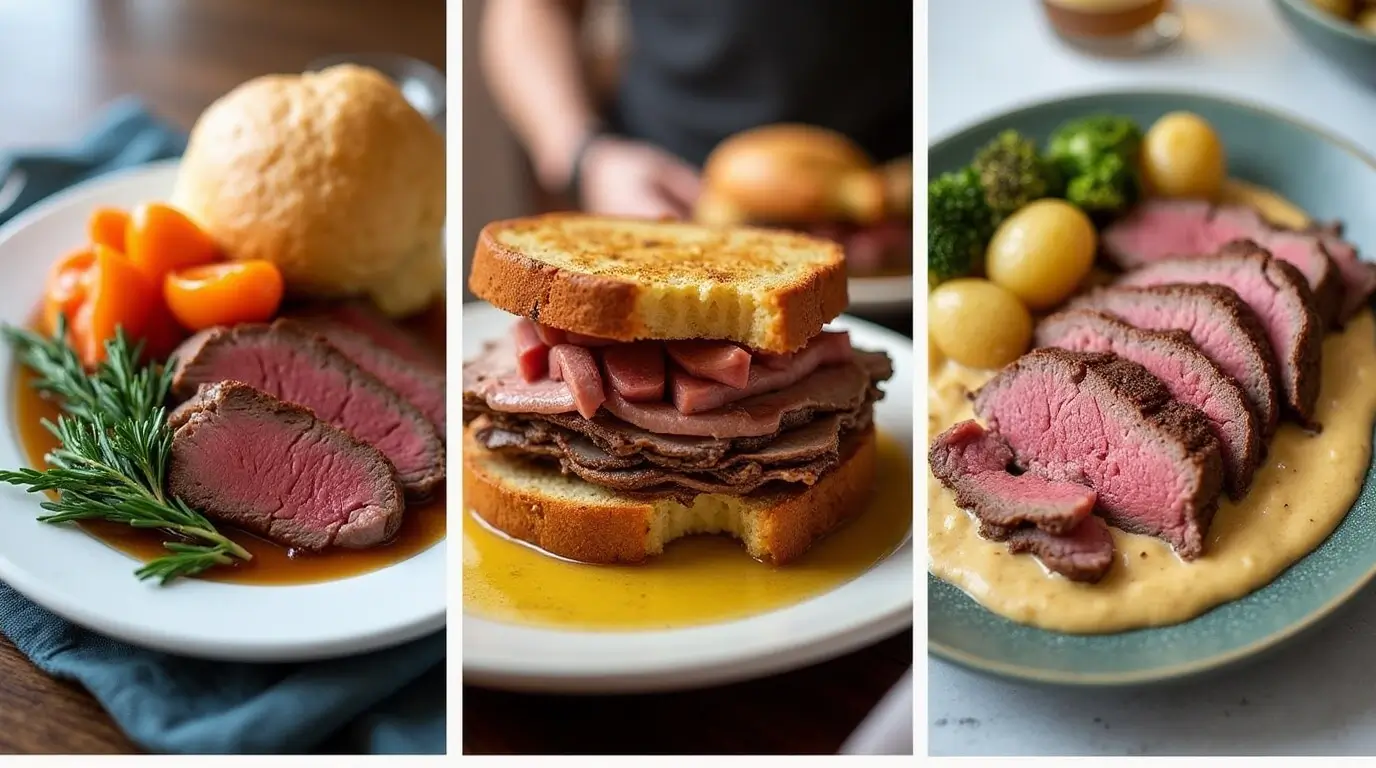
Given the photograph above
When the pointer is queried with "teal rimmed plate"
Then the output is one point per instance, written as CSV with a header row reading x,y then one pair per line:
x,y
1327,177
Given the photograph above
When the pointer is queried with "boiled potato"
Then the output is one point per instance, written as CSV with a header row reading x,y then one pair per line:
x,y
1042,252
934,358
978,324
1183,157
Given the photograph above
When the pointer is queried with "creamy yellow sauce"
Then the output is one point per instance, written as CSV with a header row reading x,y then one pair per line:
x,y
1299,495
698,580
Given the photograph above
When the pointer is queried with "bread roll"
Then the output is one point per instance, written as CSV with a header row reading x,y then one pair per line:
x,y
333,176
790,174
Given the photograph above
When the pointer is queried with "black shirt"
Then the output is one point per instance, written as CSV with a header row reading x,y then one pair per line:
x,y
697,71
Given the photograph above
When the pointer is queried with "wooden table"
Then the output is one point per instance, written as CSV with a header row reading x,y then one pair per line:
x,y
64,61
807,711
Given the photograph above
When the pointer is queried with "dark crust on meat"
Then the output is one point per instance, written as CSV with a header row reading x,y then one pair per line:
x,y
1036,542
1241,462
1307,357
1327,293
1244,326
209,398
417,488
952,473
1183,425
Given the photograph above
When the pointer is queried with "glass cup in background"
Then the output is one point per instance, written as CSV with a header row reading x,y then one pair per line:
x,y
1114,27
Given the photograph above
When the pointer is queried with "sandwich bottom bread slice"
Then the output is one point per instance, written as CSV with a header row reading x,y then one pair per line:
x,y
565,516
599,431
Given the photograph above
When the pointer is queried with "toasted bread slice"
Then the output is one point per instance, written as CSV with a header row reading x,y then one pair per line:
x,y
565,516
629,279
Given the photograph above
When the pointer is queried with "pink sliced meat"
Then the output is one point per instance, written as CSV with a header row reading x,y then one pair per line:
x,y
719,361
771,360
636,370
695,395
551,336
532,354
580,375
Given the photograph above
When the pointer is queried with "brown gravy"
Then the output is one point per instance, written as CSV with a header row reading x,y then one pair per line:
x,y
272,564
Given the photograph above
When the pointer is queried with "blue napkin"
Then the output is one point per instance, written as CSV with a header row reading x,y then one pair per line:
x,y
389,702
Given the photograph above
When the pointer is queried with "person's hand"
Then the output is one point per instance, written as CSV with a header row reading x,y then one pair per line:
x,y
621,177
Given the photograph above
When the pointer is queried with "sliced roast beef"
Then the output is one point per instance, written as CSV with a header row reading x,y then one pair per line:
x,y
635,370
1083,554
363,319
420,384
974,464
1224,328
492,380
718,361
1359,277
1105,422
828,389
289,362
1187,373
1165,229
272,468
692,394
577,368
1279,297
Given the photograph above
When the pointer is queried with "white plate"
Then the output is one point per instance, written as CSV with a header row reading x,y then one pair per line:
x,y
862,611
87,582
879,296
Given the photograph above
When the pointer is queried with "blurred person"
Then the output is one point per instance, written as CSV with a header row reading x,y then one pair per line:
x,y
693,73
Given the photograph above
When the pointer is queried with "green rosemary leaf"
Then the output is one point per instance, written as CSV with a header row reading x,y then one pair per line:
x,y
115,444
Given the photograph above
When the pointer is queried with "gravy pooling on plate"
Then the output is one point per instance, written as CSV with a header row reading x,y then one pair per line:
x,y
1301,492
422,527
699,580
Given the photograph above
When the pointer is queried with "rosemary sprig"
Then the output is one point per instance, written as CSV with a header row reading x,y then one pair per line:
x,y
115,447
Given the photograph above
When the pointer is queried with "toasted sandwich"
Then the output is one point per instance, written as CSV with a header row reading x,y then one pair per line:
x,y
663,379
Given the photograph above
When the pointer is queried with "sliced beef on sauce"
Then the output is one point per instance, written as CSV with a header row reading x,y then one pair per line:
x,y
1186,372
1279,297
291,363
974,464
1224,328
1359,277
419,383
1084,554
272,468
1164,229
1105,422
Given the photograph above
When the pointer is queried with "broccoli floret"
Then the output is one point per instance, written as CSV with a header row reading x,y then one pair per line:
x,y
959,224
1012,172
1078,145
1107,188
1097,156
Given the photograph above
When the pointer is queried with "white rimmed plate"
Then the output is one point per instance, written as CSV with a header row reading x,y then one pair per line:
x,y
876,604
83,580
